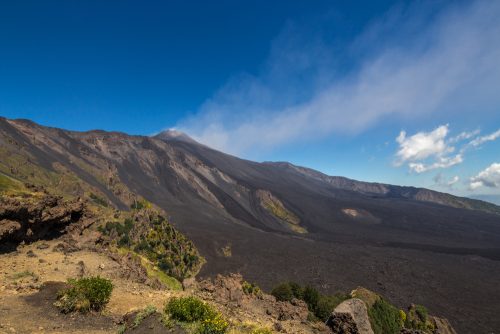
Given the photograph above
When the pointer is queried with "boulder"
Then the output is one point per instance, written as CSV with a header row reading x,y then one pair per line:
x,y
351,316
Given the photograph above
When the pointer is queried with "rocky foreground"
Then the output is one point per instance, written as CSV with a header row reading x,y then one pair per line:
x,y
46,239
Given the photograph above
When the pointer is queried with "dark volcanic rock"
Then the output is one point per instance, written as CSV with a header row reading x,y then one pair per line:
x,y
342,323
27,219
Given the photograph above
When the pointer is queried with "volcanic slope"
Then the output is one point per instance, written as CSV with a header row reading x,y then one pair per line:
x,y
276,221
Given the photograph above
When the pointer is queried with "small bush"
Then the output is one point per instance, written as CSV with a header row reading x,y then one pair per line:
x,y
326,305
311,297
283,292
84,295
422,312
189,309
262,331
214,324
385,318
149,310
297,290
320,306
251,289
417,318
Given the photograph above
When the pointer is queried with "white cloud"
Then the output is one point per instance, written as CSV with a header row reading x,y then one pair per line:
x,y
464,135
422,145
447,66
426,151
481,140
490,177
442,162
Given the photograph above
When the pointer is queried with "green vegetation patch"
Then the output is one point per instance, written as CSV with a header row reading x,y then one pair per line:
x,y
9,184
150,235
139,318
385,318
84,295
320,305
251,289
193,310
418,318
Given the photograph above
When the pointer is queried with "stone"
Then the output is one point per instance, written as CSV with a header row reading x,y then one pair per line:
x,y
30,253
349,312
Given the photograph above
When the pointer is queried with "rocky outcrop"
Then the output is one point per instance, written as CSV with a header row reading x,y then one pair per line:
x,y
228,292
30,218
351,316
442,326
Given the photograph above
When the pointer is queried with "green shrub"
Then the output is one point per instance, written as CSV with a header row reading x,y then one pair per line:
x,y
422,312
189,309
417,318
311,297
192,309
283,292
297,290
384,318
326,305
250,288
320,306
84,295
214,324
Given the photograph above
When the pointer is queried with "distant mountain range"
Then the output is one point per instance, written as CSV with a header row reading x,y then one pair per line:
x,y
275,221
495,199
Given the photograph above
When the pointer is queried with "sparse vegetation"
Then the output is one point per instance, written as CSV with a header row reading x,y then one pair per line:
x,y
194,310
141,204
149,310
98,200
84,295
320,306
226,251
262,331
8,183
23,274
251,289
151,236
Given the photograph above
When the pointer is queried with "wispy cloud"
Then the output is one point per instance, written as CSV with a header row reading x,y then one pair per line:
x,y
302,95
441,181
481,140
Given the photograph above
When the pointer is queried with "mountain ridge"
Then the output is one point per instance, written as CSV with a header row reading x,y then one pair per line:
x,y
338,237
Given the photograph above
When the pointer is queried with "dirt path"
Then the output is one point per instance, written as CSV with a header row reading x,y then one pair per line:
x,y
26,309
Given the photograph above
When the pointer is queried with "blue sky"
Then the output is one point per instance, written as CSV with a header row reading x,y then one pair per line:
x,y
396,92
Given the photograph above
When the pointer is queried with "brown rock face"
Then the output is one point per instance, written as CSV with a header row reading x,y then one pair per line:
x,y
357,314
228,291
29,219
442,326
